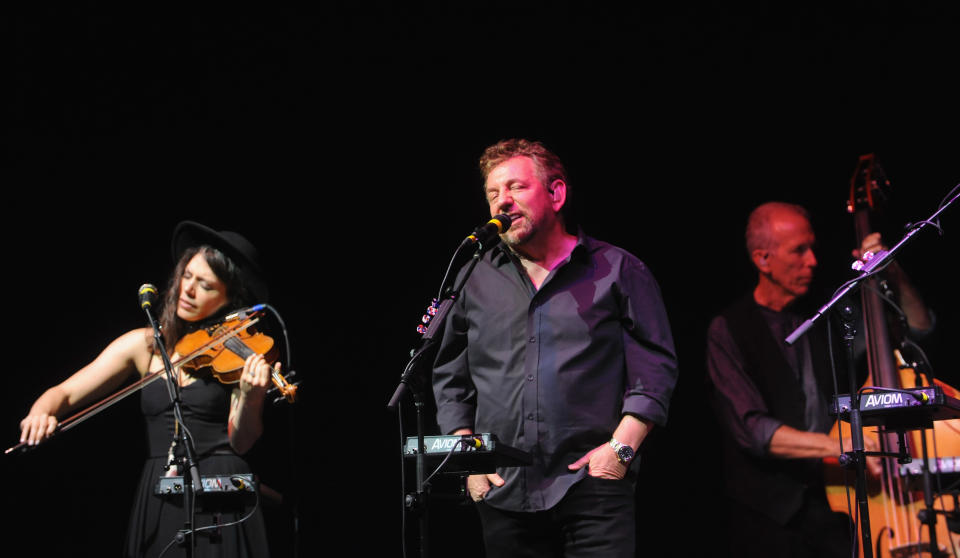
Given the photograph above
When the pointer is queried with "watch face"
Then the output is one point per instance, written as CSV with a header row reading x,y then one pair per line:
x,y
625,454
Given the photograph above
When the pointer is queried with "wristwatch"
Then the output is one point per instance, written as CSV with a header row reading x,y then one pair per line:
x,y
623,451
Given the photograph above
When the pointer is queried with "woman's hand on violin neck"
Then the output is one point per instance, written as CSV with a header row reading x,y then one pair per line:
x,y
256,376
245,423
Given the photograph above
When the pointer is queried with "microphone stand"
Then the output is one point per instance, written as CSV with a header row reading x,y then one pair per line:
x,y
857,457
191,482
411,382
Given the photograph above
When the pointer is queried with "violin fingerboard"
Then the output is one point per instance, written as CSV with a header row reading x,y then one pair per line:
x,y
237,347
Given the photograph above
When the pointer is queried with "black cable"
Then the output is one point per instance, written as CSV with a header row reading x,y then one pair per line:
x,y
924,360
910,226
256,506
445,459
181,535
883,296
177,538
295,506
286,337
833,364
446,274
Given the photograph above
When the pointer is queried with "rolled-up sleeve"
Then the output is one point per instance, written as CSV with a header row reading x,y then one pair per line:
x,y
738,402
650,357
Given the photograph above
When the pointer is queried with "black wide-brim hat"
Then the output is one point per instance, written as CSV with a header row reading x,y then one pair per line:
x,y
190,234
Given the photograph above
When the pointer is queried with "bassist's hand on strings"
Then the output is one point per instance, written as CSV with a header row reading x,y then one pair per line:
x,y
872,243
908,298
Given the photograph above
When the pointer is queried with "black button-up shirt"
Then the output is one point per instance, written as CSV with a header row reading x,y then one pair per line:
x,y
552,371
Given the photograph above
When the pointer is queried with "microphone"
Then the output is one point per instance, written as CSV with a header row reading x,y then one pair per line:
x,y
498,225
147,295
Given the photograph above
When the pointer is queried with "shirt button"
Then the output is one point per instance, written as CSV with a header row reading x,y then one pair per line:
x,y
530,416
529,377
533,339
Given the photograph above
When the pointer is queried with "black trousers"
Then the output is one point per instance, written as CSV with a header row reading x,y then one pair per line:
x,y
596,517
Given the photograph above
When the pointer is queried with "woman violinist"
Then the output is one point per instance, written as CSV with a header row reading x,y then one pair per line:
x,y
216,272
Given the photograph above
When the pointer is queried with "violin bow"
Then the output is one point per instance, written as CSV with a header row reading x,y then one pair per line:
x,y
148,379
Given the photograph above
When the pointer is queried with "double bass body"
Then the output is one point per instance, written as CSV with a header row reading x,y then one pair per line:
x,y
899,500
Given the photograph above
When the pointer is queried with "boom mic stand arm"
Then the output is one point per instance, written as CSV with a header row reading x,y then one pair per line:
x,y
878,261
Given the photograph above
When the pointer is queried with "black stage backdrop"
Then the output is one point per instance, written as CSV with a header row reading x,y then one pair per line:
x,y
344,145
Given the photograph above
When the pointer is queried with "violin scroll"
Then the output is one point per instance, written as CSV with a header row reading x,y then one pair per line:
x,y
286,389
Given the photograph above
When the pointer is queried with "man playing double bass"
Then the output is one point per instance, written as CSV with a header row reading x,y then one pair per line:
x,y
773,399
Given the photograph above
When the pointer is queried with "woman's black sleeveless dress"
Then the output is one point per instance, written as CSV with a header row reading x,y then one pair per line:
x,y
156,519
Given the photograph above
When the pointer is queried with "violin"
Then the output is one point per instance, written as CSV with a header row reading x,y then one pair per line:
x,y
224,347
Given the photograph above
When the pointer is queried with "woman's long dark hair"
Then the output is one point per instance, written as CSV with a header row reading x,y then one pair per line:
x,y
238,294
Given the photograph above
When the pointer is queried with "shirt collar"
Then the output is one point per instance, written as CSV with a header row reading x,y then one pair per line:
x,y
501,254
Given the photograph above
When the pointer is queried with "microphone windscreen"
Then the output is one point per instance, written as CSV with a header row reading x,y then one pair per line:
x,y
147,295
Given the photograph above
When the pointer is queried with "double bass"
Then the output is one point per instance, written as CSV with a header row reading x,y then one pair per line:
x,y
905,519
